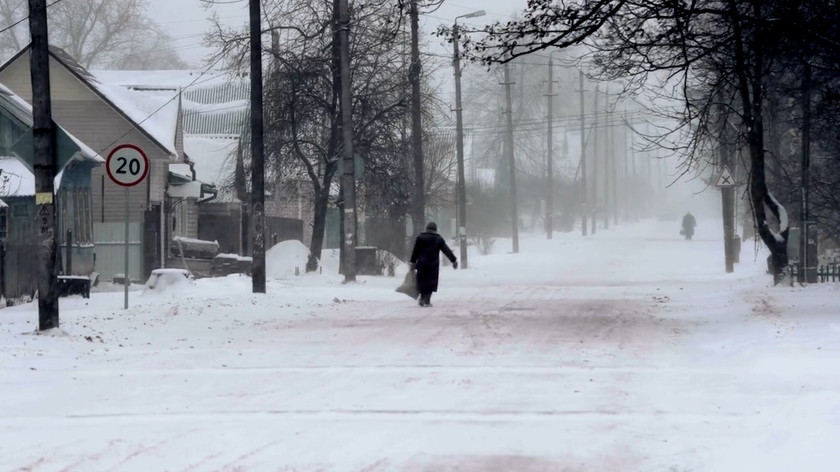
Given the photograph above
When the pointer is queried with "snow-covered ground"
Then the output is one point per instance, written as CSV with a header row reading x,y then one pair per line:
x,y
628,350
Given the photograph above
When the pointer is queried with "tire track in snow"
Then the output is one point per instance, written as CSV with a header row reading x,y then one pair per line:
x,y
433,415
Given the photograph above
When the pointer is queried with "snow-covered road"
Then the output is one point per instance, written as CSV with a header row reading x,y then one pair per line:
x,y
629,350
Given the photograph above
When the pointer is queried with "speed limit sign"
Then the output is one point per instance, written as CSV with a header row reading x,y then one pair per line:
x,y
127,165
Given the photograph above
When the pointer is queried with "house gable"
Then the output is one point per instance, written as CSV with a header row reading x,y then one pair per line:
x,y
82,109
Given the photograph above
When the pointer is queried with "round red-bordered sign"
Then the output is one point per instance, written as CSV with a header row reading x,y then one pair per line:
x,y
127,165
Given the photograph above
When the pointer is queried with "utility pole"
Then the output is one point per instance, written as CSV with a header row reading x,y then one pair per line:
x,y
257,153
414,70
608,157
648,167
584,194
807,259
595,136
44,166
511,162
636,184
625,187
549,160
727,195
614,164
348,177
459,132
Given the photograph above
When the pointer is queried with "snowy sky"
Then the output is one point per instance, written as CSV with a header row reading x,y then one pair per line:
x,y
187,20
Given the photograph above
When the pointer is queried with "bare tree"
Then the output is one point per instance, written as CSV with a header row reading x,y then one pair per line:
x,y
97,33
704,52
302,113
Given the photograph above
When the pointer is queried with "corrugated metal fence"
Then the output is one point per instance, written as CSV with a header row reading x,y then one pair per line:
x,y
109,246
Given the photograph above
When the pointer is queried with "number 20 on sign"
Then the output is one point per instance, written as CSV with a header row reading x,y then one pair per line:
x,y
127,165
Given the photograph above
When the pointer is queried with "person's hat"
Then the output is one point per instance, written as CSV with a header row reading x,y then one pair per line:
x,y
432,226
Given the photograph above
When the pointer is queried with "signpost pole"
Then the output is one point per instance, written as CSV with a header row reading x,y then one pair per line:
x,y
127,166
126,280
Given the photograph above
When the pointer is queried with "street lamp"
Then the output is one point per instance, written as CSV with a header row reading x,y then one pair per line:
x,y
459,126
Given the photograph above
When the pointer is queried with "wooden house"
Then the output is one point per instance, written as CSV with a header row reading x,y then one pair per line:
x,y
105,116
18,232
216,119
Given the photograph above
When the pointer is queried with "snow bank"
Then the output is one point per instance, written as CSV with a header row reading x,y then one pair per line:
x,y
282,259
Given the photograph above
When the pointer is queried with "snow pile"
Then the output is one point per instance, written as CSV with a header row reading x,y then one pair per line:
x,y
286,256
330,261
168,281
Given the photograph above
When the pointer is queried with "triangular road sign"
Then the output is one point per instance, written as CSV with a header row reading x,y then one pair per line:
x,y
726,179
45,211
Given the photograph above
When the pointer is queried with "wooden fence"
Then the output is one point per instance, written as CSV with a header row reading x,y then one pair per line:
x,y
19,269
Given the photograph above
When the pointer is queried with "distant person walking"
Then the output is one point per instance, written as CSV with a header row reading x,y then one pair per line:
x,y
425,258
688,224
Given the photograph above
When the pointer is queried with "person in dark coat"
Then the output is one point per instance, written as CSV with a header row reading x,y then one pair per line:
x,y
425,258
688,224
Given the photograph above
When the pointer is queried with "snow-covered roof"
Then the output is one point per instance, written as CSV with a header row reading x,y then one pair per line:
x,y
181,170
161,78
214,102
23,111
213,157
155,122
157,112
16,180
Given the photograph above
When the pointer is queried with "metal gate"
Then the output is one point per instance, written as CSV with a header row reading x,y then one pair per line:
x,y
109,247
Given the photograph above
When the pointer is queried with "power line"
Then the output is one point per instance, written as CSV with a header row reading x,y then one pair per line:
x,y
194,82
25,18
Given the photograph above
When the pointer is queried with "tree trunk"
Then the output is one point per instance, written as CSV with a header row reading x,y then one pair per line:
x,y
750,87
319,226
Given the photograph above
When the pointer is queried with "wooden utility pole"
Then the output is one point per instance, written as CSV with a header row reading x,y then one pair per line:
x,y
584,199
257,153
625,186
549,160
636,185
461,229
595,132
44,166
414,71
807,254
727,196
608,158
514,214
614,166
348,176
